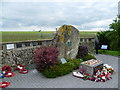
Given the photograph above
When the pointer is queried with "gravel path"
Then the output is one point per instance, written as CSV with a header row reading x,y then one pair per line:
x,y
35,80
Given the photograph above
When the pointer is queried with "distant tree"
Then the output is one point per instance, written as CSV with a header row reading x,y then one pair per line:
x,y
111,37
114,35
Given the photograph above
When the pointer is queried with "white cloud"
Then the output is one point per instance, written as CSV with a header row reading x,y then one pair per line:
x,y
98,29
32,15
105,22
59,0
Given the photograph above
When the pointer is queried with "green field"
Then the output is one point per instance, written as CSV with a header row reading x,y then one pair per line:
x,y
22,36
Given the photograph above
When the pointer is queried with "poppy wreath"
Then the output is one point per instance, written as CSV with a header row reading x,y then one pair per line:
x,y
4,84
20,67
5,69
23,71
10,74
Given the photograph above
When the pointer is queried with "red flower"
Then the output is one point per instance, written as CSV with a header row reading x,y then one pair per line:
x,y
87,74
6,69
23,71
10,74
4,84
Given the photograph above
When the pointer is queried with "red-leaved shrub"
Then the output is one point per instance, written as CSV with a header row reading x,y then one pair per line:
x,y
82,52
45,57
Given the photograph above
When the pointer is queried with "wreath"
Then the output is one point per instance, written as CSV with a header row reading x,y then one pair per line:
x,y
4,84
10,74
23,71
5,69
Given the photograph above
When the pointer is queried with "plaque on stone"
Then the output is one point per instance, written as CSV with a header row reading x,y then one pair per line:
x,y
63,60
67,41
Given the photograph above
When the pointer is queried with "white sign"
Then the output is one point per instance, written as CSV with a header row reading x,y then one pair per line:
x,y
10,46
104,46
63,60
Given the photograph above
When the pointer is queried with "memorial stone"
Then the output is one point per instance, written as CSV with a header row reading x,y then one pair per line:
x,y
67,41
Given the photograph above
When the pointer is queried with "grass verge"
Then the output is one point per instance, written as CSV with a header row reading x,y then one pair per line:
x,y
109,52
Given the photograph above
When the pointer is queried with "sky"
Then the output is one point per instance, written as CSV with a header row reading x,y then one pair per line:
x,y
29,15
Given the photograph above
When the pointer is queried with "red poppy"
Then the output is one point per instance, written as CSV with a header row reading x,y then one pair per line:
x,y
87,74
23,71
10,74
101,76
4,84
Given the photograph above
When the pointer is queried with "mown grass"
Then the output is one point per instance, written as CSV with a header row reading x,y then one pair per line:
x,y
87,34
23,36
109,52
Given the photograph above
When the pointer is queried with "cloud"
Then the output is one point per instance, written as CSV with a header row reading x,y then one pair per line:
x,y
27,15
105,22
59,0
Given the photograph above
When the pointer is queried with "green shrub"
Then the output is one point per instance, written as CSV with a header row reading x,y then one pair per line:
x,y
88,57
61,69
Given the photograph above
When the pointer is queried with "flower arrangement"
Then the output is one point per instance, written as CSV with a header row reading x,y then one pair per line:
x,y
21,69
5,69
7,72
100,76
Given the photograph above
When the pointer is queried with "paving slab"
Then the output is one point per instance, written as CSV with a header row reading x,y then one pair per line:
x,y
35,79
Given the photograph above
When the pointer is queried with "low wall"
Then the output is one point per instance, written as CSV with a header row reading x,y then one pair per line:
x,y
23,52
20,55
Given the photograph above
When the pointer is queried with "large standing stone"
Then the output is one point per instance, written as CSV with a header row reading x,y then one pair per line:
x,y
67,40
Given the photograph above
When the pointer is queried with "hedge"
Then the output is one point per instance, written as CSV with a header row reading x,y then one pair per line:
x,y
88,57
61,69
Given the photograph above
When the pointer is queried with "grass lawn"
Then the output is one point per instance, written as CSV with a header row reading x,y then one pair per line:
x,y
35,35
22,36
109,52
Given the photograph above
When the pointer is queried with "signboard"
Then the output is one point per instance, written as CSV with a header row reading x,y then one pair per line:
x,y
10,46
104,46
63,60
